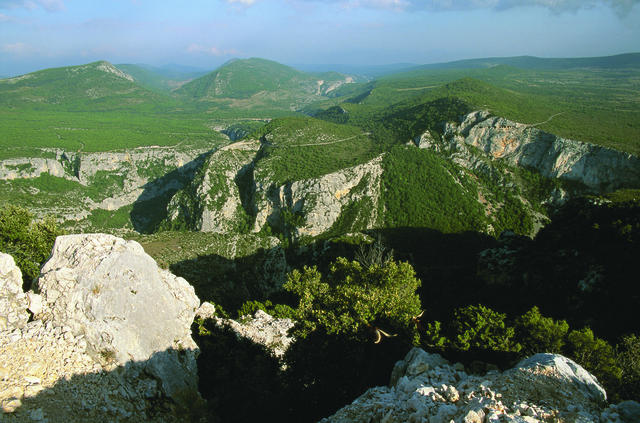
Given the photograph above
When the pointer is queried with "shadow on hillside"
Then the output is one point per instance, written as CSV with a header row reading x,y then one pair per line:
x,y
229,283
150,209
446,264
123,393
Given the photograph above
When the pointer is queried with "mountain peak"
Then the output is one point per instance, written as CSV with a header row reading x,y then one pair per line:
x,y
107,67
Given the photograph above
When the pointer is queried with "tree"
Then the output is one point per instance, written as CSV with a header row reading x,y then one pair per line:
x,y
537,333
352,300
595,355
334,357
29,242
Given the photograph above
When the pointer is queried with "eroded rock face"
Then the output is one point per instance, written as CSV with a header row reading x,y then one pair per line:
x,y
598,168
426,387
13,302
322,201
126,308
212,201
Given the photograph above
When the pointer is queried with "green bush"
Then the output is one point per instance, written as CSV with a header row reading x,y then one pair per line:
x,y
536,333
628,359
595,355
354,300
279,311
334,357
480,327
28,241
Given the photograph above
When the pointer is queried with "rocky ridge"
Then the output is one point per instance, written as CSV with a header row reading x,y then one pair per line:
x,y
123,177
229,191
479,135
212,201
322,201
543,388
261,328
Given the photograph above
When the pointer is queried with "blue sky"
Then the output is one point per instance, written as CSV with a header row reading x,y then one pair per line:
x,y
35,34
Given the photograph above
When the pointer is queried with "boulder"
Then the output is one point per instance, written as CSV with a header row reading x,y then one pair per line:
x,y
13,302
426,387
265,330
131,313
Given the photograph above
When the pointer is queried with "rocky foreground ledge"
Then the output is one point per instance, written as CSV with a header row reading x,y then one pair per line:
x,y
105,336
542,388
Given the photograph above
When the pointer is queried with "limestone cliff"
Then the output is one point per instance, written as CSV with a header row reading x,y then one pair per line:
x,y
322,202
212,201
598,169
103,180
230,192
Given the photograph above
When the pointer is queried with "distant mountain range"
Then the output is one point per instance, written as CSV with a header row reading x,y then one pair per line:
x,y
620,61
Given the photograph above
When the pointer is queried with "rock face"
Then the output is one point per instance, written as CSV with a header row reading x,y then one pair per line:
x,y
127,309
427,388
13,302
598,168
212,202
323,201
123,177
110,337
230,192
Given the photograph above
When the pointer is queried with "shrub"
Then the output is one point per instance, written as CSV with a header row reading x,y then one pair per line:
x,y
279,311
28,241
334,357
595,355
536,333
628,359
353,299
479,327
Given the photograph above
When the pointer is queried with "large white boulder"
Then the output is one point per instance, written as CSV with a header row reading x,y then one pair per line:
x,y
13,302
130,312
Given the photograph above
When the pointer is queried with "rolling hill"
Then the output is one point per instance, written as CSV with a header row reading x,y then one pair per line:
x,y
94,86
261,85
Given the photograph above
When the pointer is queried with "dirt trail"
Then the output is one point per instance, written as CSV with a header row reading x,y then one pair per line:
x,y
548,120
325,143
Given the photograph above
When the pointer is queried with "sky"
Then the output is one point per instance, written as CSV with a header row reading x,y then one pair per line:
x,y
37,34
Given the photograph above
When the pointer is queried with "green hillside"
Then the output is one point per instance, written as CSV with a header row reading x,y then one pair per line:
x,y
244,78
95,86
593,105
298,148
260,87
93,107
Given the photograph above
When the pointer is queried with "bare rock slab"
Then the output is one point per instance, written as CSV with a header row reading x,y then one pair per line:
x,y
127,308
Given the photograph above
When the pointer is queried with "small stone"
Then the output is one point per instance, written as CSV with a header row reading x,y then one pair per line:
x,y
11,405
35,303
32,380
33,390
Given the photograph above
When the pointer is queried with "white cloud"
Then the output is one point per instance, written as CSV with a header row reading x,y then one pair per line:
x,y
14,48
213,50
48,5
244,2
